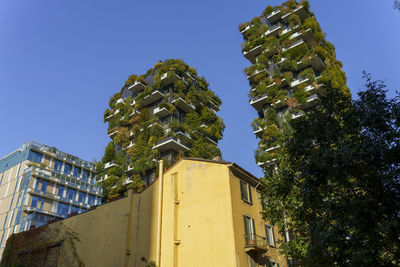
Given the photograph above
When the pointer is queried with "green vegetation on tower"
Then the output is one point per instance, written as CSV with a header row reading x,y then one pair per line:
x,y
292,64
166,113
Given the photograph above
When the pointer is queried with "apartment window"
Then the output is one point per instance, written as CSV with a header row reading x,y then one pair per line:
x,y
245,190
58,165
249,230
44,186
77,171
91,200
71,193
84,176
35,156
34,201
37,202
60,190
62,209
67,168
269,231
74,209
82,197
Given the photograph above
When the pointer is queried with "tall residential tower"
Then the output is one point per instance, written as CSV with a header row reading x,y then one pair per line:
x,y
293,64
40,183
167,113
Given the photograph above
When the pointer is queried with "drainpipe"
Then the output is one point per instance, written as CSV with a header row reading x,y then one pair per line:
x,y
128,244
159,212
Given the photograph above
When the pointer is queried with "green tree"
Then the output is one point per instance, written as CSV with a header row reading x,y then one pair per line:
x,y
337,187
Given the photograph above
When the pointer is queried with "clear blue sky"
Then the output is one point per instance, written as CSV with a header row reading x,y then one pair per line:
x,y
60,61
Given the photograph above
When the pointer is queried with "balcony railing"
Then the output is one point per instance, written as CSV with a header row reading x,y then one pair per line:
x,y
258,102
161,112
274,16
183,105
255,243
149,99
170,143
299,11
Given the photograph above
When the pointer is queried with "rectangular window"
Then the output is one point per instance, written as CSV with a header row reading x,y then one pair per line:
x,y
34,201
269,231
74,209
44,186
82,197
58,165
91,199
245,190
249,230
84,175
67,168
35,156
60,190
77,171
71,193
62,209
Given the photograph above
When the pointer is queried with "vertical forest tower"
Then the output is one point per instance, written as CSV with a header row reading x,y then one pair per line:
x,y
293,65
164,114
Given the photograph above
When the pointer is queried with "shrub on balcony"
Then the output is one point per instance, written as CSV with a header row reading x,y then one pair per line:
x,y
294,20
268,10
308,73
288,65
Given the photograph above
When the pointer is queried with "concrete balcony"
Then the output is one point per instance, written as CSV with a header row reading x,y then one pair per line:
x,y
299,81
211,140
252,54
170,143
182,134
297,115
120,100
170,77
147,100
267,163
183,105
258,103
187,76
299,11
295,44
113,114
312,98
258,131
252,76
109,165
255,244
133,102
274,16
112,133
135,112
315,62
127,181
214,106
245,29
274,30
136,87
131,144
161,112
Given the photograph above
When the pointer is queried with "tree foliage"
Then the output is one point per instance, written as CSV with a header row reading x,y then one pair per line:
x,y
396,4
337,188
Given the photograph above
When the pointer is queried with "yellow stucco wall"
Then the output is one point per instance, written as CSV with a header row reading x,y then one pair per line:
x,y
202,222
197,222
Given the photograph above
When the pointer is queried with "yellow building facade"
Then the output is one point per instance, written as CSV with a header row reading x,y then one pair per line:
x,y
198,213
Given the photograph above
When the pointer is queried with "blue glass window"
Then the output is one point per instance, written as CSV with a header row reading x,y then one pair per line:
x,y
60,190
98,200
85,175
77,171
67,168
44,186
34,201
71,193
82,197
83,209
35,156
74,209
91,199
62,209
57,166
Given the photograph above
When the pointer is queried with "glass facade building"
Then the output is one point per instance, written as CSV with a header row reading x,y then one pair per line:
x,y
40,183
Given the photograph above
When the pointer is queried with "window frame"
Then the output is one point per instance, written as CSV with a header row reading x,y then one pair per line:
x,y
269,233
245,192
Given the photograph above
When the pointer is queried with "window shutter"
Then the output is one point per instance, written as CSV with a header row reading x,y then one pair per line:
x,y
242,189
250,198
